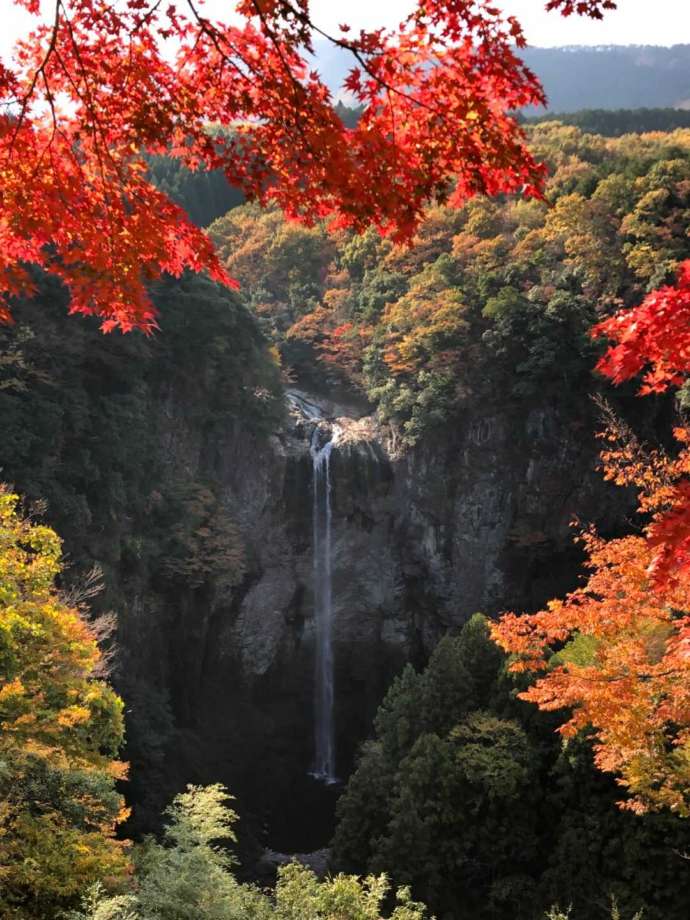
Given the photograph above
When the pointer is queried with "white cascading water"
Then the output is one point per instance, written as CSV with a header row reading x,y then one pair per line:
x,y
324,728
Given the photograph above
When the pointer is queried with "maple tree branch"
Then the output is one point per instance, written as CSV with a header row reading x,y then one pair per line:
x,y
124,98
358,54
299,89
40,72
215,36
209,30
48,145
146,17
100,142
630,453
644,677
97,130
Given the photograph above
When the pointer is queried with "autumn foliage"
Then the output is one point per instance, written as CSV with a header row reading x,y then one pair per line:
x,y
653,337
616,651
89,93
593,8
60,729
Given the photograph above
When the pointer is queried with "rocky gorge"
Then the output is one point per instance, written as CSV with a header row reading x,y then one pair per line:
x,y
203,529
477,519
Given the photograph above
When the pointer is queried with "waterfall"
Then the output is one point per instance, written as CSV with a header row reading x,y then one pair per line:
x,y
324,729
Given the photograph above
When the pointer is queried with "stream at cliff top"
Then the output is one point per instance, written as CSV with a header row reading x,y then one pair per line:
x,y
322,513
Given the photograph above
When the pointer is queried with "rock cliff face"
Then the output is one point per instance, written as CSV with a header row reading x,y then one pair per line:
x,y
477,519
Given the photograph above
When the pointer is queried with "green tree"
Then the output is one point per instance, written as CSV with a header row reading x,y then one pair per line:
x,y
301,896
462,809
60,731
467,795
188,876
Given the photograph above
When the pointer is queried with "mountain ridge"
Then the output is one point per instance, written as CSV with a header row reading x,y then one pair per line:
x,y
576,76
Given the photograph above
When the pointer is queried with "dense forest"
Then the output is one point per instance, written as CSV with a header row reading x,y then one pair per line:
x,y
148,456
497,295
615,122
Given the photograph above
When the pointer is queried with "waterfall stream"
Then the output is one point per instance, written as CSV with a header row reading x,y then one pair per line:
x,y
324,729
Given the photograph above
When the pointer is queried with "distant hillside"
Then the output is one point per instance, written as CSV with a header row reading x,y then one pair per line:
x,y
613,77
617,122
575,78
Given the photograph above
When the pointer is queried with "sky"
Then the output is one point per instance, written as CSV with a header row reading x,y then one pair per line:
x,y
650,22
636,22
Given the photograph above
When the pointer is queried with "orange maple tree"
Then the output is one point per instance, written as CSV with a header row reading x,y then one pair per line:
x,y
654,337
88,94
616,651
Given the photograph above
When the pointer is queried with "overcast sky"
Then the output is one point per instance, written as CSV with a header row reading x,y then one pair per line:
x,y
650,22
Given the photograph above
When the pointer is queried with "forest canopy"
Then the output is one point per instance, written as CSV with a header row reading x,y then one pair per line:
x,y
499,293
